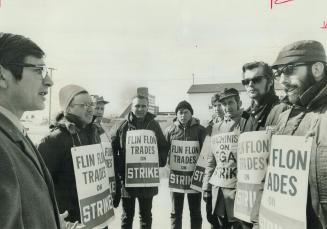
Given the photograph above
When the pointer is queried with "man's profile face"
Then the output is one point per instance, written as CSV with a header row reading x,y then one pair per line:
x,y
230,106
83,107
139,107
29,93
296,83
260,86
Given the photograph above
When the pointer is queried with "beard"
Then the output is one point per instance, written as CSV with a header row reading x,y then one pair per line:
x,y
295,91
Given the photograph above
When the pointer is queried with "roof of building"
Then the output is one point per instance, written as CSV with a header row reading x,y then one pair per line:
x,y
213,88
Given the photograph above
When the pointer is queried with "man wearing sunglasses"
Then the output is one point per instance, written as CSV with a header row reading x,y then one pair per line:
x,y
301,70
71,129
259,84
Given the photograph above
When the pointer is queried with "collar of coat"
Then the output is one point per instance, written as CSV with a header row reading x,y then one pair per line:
x,y
315,96
71,123
192,122
133,121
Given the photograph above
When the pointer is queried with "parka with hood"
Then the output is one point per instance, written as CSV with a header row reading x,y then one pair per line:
x,y
55,149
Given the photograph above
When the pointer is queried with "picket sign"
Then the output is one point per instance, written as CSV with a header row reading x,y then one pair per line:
x,y
284,198
183,156
142,161
252,156
92,183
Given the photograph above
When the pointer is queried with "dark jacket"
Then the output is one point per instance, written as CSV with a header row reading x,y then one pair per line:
x,y
193,131
310,116
56,152
27,198
264,114
118,141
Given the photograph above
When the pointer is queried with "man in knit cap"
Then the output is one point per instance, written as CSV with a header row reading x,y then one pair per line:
x,y
186,131
302,71
70,130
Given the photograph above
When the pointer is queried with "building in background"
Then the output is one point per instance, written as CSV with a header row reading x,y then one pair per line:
x,y
200,97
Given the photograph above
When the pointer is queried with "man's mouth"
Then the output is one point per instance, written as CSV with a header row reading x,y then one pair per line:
x,y
43,93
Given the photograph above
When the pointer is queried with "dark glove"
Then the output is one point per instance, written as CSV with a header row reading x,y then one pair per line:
x,y
206,196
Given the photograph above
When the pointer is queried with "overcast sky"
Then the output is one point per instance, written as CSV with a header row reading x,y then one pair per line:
x,y
112,47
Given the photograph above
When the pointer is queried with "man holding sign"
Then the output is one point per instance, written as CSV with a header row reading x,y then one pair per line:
x,y
71,130
221,171
301,70
139,148
185,137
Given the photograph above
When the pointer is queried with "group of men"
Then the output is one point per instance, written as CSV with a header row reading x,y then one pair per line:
x,y
37,183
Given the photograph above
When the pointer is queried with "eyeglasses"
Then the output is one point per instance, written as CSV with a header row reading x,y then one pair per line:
x,y
86,105
255,80
41,69
287,69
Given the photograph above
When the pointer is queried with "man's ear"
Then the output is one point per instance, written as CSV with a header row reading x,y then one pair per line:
x,y
318,70
240,104
3,77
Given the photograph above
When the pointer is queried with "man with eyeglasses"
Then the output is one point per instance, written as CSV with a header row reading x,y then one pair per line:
x,y
301,69
26,189
71,129
138,119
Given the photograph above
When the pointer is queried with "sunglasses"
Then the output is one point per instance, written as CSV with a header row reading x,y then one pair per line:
x,y
287,69
41,69
254,80
86,105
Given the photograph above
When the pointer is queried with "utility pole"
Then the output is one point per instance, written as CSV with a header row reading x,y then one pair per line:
x,y
193,78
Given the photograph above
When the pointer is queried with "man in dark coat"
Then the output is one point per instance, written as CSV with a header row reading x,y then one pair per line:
x,y
70,130
27,198
186,128
139,118
264,109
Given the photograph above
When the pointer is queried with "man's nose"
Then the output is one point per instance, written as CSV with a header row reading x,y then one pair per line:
x,y
47,81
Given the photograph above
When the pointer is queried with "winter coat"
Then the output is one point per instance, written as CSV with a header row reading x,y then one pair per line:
x,y
27,198
311,116
222,198
193,131
118,141
56,152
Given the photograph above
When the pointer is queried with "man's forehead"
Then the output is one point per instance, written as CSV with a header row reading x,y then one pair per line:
x,y
249,73
138,101
34,60
182,110
228,99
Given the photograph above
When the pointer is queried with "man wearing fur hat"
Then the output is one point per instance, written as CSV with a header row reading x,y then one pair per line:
x,y
185,129
70,130
138,119
301,69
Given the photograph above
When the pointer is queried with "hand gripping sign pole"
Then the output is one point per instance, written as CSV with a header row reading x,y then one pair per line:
x,y
95,201
284,198
142,161
182,161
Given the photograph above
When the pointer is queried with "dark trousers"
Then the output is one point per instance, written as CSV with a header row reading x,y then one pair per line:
x,y
212,218
145,206
194,202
